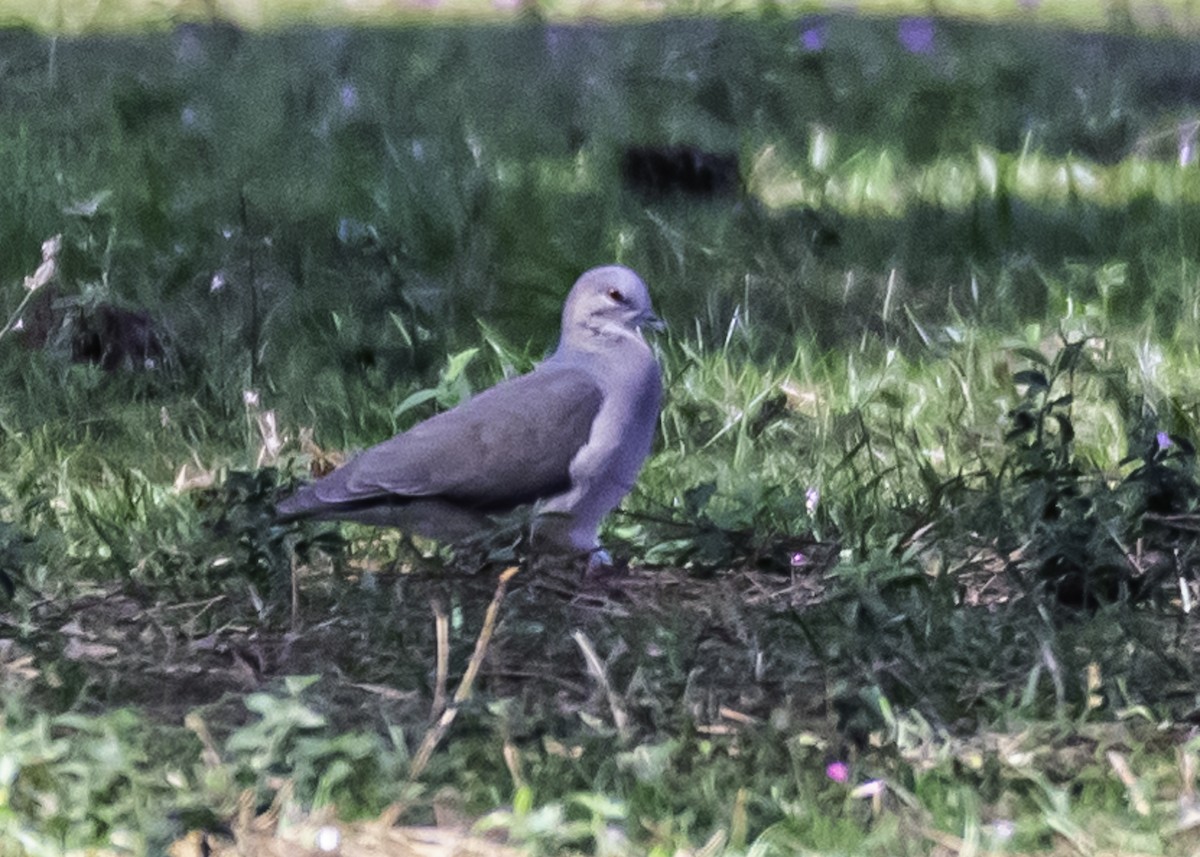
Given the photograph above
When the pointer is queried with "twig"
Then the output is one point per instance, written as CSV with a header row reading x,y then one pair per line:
x,y
485,637
295,597
1137,797
435,733
209,753
596,668
441,623
16,316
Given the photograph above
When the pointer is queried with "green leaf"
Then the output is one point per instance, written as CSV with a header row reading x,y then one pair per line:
x,y
600,805
1065,427
457,365
1032,355
1031,377
1070,353
892,399
523,801
399,324
697,497
648,762
295,684
415,400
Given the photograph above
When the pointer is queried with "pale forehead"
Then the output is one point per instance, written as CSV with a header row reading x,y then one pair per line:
x,y
612,276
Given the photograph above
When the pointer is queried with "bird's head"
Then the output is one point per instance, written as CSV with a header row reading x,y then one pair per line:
x,y
608,301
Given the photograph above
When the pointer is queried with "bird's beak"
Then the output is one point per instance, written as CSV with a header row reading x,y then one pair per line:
x,y
653,322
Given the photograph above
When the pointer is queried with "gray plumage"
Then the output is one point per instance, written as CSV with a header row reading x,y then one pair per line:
x,y
570,436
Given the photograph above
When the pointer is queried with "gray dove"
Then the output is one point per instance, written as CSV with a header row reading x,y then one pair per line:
x,y
570,436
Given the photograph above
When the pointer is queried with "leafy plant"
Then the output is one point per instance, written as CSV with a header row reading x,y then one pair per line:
x,y
452,386
72,780
354,770
1087,538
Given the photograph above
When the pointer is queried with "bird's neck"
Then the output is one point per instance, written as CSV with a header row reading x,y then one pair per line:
x,y
600,336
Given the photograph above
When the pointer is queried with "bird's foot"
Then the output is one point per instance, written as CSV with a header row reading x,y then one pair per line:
x,y
594,562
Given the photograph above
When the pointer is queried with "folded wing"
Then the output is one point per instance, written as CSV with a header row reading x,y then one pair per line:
x,y
510,445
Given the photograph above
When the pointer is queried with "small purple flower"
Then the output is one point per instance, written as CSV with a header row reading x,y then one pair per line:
x,y
812,37
798,559
916,35
1001,829
839,772
553,38
1163,440
1187,143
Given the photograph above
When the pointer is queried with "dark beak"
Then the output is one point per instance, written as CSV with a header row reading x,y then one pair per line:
x,y
653,322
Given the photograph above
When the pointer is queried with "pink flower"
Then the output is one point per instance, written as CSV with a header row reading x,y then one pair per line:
x,y
839,772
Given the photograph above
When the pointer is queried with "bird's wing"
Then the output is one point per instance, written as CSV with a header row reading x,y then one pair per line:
x,y
509,445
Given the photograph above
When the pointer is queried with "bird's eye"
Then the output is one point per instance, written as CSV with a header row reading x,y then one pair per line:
x,y
616,295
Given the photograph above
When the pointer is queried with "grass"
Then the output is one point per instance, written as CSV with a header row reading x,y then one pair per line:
x,y
1156,18
911,567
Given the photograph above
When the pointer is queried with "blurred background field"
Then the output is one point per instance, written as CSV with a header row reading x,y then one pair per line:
x,y
911,568
62,16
